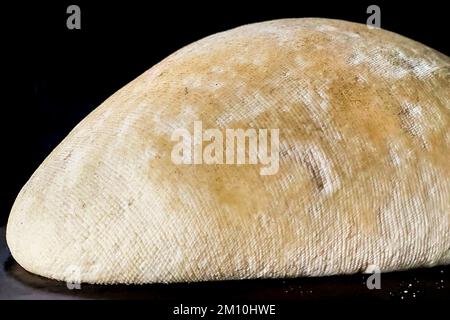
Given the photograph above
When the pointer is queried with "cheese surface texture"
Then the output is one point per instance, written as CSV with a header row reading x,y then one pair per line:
x,y
364,164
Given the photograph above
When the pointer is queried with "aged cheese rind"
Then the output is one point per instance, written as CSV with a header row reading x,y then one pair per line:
x,y
364,178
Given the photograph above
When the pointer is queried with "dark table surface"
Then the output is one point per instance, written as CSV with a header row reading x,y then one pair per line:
x,y
413,285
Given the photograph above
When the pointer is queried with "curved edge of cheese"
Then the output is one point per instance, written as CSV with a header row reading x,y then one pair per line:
x,y
363,180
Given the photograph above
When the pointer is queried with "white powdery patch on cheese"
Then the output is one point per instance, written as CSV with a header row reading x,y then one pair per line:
x,y
280,31
336,34
396,160
350,34
324,28
324,100
421,67
415,110
314,99
412,119
217,69
393,63
193,80
260,59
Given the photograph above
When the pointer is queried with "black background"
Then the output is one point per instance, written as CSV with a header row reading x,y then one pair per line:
x,y
53,77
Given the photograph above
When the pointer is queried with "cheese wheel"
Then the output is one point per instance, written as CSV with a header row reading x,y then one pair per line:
x,y
363,174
